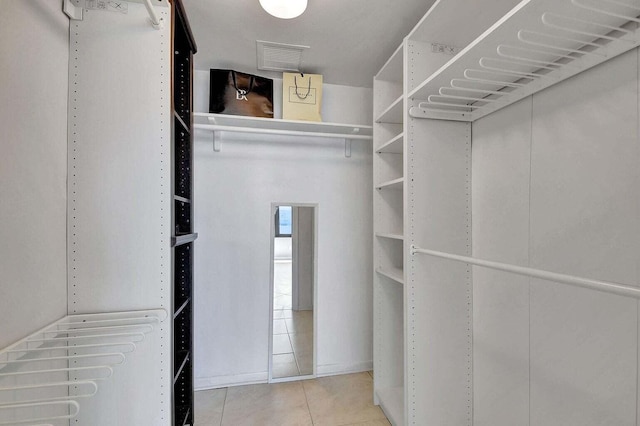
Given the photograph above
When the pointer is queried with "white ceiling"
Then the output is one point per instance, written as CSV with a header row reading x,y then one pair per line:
x,y
350,40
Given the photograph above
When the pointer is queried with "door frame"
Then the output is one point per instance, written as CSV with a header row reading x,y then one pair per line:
x,y
316,208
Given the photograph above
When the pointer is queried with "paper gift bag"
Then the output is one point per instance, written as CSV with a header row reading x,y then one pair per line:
x,y
237,93
301,96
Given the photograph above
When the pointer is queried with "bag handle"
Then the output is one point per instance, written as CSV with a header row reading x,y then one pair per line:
x,y
242,91
295,81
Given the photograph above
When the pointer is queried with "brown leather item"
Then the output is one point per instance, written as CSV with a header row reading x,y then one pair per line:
x,y
237,93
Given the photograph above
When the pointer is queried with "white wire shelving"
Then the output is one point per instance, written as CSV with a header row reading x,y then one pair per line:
x,y
45,377
537,44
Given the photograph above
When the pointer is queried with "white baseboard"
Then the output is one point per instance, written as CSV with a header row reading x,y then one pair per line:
x,y
203,383
335,369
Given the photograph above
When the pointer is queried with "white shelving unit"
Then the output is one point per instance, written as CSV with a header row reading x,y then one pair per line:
x,y
393,146
393,113
394,274
390,236
389,184
439,315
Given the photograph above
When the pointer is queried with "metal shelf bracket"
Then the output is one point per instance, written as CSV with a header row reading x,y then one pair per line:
x,y
72,9
217,140
347,148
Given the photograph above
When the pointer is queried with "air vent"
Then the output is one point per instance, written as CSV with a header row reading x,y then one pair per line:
x,y
278,56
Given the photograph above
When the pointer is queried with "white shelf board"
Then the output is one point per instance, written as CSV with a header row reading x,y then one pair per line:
x,y
392,184
393,113
392,403
244,124
390,236
395,274
470,19
506,34
393,146
392,69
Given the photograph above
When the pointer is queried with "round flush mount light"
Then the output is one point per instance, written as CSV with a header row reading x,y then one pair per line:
x,y
284,9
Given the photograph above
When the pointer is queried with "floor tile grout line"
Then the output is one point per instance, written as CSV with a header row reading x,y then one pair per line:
x,y
224,404
309,397
306,398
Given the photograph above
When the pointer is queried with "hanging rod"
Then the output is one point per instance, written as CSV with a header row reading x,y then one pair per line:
x,y
580,3
91,337
602,286
130,345
119,355
108,369
71,404
137,322
500,50
148,329
66,384
217,127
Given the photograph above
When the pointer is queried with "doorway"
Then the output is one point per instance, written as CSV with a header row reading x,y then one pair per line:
x,y
293,291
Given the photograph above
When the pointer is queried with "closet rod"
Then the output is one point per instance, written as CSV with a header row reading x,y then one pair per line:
x,y
217,127
65,384
603,286
73,408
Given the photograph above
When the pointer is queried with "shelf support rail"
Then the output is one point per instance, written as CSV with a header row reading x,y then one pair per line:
x,y
217,128
602,286
539,60
74,10
156,22
98,342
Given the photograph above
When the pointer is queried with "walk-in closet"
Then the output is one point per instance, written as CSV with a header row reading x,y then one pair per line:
x,y
304,212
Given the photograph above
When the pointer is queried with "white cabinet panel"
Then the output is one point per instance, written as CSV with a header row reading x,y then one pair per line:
x,y
584,221
500,223
33,166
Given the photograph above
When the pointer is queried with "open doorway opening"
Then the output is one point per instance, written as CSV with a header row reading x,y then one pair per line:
x,y
293,291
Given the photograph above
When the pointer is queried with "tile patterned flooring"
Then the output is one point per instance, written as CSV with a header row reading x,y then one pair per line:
x,y
292,330
345,400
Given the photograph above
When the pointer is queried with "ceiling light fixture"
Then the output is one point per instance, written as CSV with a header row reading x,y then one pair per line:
x,y
284,9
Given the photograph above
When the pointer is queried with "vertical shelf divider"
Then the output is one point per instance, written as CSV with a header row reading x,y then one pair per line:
x,y
183,235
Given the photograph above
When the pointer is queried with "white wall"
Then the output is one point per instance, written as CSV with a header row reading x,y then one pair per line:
x,y
34,56
234,190
555,186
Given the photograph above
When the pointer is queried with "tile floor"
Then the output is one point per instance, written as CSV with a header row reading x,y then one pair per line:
x,y
327,401
292,330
